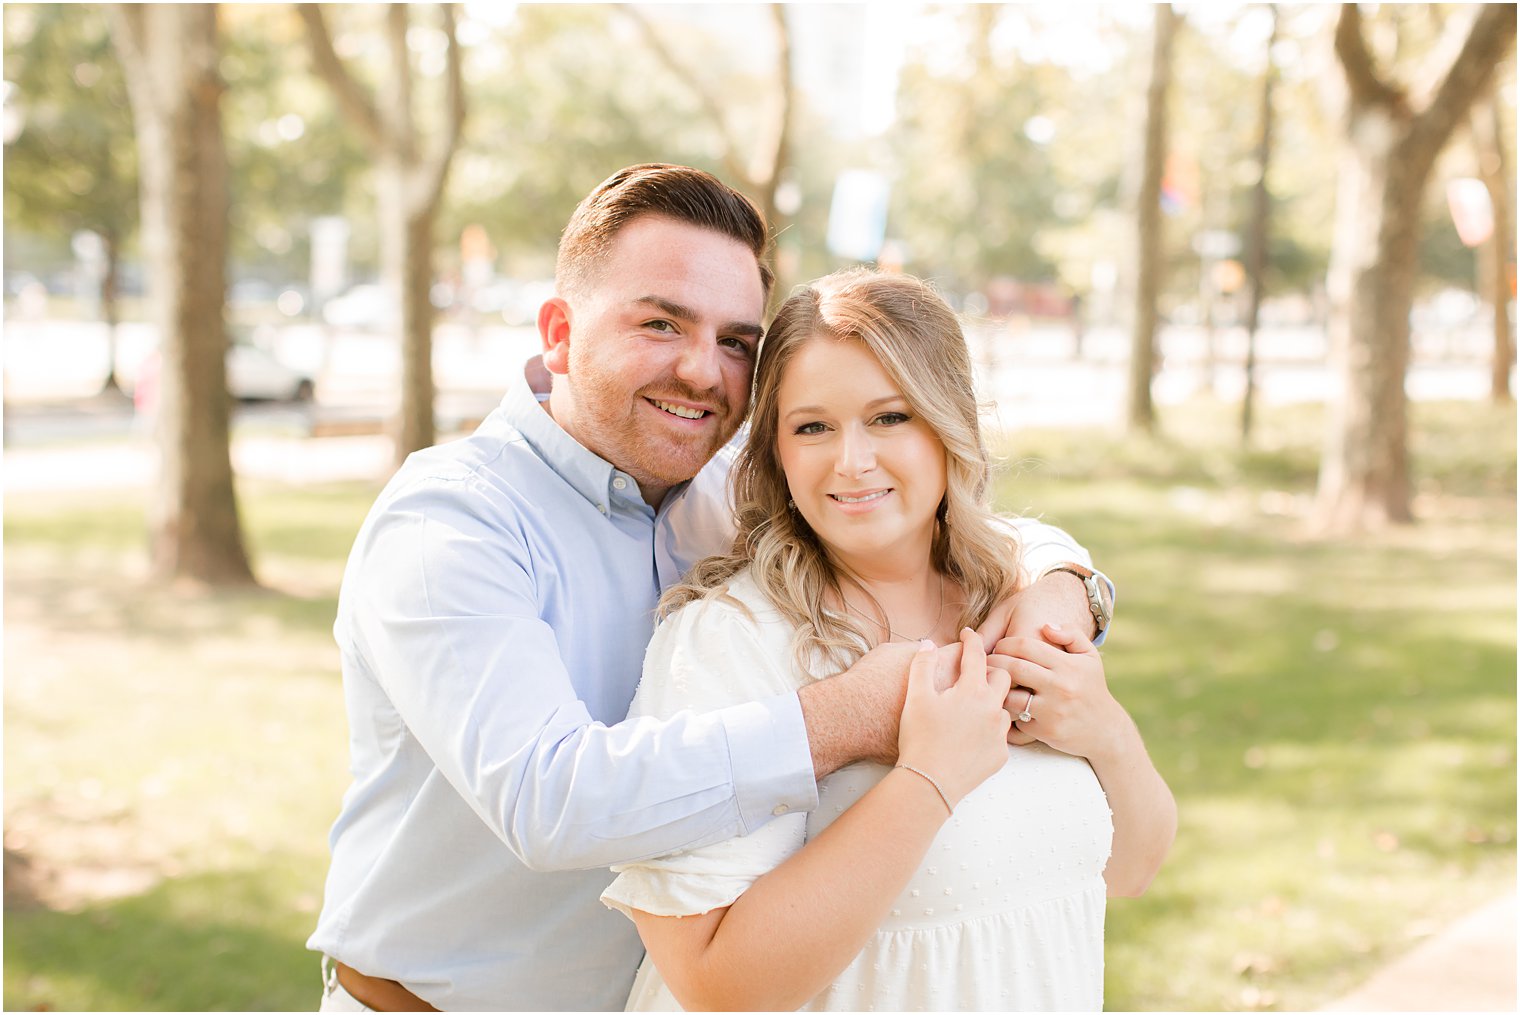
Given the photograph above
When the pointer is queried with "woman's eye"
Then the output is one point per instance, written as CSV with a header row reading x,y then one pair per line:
x,y
809,429
893,418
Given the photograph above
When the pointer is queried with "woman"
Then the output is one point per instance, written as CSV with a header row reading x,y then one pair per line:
x,y
862,519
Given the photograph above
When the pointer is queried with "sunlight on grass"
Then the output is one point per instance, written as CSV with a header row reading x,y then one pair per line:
x,y
1337,719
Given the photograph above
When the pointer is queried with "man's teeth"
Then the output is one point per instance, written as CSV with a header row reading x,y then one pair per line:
x,y
680,410
859,500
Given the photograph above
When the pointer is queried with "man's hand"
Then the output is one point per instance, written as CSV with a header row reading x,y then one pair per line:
x,y
854,716
1058,598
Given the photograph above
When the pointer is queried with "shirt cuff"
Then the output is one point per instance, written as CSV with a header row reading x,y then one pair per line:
x,y
772,762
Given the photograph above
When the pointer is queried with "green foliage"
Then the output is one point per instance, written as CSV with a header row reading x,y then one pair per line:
x,y
292,157
73,166
973,185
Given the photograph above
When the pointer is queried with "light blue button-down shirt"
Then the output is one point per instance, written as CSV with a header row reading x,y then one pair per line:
x,y
492,626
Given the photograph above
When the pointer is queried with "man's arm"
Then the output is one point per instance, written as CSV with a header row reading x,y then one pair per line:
x,y
853,716
443,614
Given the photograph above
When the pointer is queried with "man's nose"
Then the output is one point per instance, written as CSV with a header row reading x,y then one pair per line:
x,y
857,452
699,365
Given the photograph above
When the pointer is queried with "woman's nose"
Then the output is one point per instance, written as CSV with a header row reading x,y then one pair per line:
x,y
857,453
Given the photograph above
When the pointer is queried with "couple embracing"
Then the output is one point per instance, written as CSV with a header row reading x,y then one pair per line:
x,y
822,728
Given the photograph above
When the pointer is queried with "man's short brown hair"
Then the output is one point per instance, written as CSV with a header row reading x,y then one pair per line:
x,y
655,188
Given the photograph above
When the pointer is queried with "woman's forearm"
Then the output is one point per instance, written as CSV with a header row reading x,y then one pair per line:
x,y
1145,814
797,928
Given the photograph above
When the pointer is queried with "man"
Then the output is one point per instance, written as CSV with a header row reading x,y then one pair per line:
x,y
493,619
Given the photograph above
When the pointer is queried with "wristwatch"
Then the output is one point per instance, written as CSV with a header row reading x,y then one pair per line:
x,y
1102,611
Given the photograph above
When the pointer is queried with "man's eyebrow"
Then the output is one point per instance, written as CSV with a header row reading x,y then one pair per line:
x,y
680,311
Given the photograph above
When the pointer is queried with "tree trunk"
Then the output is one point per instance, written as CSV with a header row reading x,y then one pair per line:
x,y
409,188
1142,363
781,151
1494,253
1388,148
1364,477
170,55
1256,253
110,287
409,260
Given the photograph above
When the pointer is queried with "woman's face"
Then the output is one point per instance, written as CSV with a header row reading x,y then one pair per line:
x,y
865,472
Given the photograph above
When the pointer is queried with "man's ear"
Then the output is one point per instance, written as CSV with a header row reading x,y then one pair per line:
x,y
554,333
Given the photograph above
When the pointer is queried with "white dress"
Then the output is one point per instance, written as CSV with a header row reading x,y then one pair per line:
x,y
1004,913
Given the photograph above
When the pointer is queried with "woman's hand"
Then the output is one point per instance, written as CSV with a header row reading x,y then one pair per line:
x,y
958,735
1059,682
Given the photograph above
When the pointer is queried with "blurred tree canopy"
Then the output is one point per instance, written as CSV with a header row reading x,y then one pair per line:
x,y
1008,156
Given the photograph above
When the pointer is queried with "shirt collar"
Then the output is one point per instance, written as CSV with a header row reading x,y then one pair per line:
x,y
590,475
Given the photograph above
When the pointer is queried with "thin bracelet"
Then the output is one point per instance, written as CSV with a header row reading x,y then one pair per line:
x,y
933,782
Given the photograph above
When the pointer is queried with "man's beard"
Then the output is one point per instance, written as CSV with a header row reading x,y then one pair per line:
x,y
651,457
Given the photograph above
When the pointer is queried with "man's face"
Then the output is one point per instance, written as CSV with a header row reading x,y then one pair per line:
x,y
657,350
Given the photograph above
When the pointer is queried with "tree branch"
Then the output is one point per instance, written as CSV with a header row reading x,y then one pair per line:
x,y
437,169
128,30
1490,37
1367,89
355,101
781,151
395,92
732,163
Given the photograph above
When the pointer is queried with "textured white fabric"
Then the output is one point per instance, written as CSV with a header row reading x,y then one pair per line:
x,y
1006,911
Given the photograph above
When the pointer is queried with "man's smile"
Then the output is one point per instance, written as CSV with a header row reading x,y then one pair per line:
x,y
677,409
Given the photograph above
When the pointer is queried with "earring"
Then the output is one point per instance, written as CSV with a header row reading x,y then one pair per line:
x,y
791,505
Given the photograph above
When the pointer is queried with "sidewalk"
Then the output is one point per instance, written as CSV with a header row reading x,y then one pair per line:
x,y
295,460
1468,966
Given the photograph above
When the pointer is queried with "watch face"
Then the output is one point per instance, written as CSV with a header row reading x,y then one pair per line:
x,y
1095,602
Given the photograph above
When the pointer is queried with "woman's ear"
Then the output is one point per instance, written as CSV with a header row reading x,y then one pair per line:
x,y
554,333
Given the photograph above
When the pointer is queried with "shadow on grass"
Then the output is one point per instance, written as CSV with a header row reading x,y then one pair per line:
x,y
219,942
1337,719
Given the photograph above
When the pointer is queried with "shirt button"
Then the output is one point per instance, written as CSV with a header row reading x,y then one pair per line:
x,y
619,483
780,810
602,508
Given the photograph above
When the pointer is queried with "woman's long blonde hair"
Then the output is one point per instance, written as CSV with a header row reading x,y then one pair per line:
x,y
917,339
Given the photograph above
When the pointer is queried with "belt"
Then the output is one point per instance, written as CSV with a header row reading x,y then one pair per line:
x,y
378,994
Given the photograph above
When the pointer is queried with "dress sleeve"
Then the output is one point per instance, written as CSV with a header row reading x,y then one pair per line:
x,y
708,655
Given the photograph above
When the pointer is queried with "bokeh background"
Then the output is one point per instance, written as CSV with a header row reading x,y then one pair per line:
x,y
1238,280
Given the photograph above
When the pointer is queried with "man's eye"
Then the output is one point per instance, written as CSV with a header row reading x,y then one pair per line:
x,y
737,344
893,418
659,325
809,429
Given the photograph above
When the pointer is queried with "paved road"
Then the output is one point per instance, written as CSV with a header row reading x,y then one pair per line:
x,y
1032,373
1469,966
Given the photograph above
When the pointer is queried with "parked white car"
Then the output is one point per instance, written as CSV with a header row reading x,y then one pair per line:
x,y
253,375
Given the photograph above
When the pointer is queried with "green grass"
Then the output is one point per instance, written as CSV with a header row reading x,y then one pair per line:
x,y
1336,717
